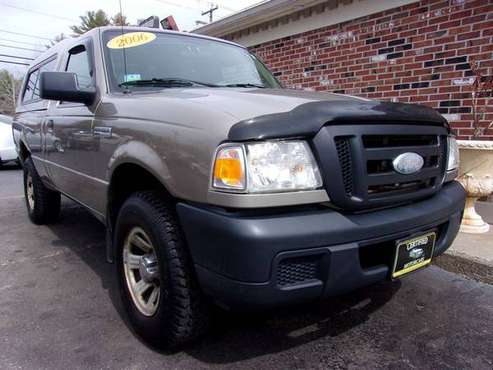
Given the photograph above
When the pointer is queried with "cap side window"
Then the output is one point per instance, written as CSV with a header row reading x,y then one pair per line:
x,y
30,86
31,90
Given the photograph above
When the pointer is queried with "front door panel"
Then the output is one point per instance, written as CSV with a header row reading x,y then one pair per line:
x,y
71,150
71,144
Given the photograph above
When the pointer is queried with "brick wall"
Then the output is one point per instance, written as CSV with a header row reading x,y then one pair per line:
x,y
418,53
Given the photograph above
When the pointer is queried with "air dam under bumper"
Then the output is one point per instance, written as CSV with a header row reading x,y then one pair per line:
x,y
248,262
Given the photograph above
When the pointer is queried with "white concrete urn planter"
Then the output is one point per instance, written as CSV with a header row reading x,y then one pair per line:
x,y
476,176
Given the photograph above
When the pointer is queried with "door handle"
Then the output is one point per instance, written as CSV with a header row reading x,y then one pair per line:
x,y
102,131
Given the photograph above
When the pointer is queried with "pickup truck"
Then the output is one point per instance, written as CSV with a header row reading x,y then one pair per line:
x,y
219,186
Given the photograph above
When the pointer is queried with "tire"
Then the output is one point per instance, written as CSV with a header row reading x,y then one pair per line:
x,y
43,204
180,313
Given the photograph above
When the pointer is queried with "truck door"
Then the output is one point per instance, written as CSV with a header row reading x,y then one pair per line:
x,y
70,144
31,114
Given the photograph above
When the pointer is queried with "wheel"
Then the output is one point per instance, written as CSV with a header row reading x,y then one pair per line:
x,y
158,286
43,204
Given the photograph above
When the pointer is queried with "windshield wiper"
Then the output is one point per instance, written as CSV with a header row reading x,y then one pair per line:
x,y
166,82
243,85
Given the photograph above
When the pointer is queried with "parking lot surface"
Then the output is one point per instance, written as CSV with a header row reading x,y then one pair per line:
x,y
59,309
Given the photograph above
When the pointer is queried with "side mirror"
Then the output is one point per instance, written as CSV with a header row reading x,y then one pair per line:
x,y
63,86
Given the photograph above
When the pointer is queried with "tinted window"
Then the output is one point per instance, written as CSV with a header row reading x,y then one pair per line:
x,y
78,63
30,86
165,56
31,92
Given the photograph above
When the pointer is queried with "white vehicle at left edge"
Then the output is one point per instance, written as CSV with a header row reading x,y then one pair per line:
x,y
7,146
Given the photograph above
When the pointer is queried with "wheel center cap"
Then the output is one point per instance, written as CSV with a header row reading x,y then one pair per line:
x,y
148,268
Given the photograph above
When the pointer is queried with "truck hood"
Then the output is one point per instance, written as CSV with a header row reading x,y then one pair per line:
x,y
252,114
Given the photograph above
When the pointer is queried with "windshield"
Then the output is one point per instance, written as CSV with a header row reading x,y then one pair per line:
x,y
160,60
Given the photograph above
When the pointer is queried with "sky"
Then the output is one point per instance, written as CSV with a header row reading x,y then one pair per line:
x,y
48,18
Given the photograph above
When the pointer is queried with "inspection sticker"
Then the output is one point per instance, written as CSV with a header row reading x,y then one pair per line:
x,y
132,77
130,40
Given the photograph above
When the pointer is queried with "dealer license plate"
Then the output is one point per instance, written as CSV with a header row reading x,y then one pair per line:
x,y
414,253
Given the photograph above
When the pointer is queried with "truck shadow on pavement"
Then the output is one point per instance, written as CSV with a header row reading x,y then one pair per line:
x,y
237,337
81,233
10,167
234,337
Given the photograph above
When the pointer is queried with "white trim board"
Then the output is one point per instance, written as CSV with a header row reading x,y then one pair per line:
x,y
343,13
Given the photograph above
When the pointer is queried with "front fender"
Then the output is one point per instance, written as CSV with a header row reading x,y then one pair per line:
x,y
141,154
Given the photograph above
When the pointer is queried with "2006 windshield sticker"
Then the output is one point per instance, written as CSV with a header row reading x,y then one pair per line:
x,y
130,40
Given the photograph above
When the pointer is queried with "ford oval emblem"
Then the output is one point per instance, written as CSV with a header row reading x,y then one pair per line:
x,y
408,163
416,253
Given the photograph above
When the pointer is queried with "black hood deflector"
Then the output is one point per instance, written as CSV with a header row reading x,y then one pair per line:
x,y
307,119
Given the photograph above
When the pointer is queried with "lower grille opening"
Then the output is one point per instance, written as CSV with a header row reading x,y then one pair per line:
x,y
383,253
374,255
297,270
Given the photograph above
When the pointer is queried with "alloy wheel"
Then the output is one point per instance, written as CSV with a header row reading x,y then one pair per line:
x,y
30,191
141,271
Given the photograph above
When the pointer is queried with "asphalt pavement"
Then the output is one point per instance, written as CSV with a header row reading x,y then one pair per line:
x,y
59,309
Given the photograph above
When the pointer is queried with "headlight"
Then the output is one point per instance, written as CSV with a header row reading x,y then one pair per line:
x,y
453,154
281,166
272,166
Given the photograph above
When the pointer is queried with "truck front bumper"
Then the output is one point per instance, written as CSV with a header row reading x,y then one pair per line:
x,y
247,260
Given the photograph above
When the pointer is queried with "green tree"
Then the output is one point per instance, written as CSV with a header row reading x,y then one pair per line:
x,y
56,40
94,19
91,20
9,91
119,20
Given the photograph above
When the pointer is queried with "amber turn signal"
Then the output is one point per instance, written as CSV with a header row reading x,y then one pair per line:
x,y
229,168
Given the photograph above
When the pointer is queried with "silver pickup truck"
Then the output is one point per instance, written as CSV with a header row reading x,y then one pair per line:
x,y
217,185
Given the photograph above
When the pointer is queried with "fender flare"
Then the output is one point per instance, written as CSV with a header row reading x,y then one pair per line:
x,y
141,154
22,142
144,156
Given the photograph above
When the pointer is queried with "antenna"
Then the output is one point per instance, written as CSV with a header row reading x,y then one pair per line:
x,y
123,48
